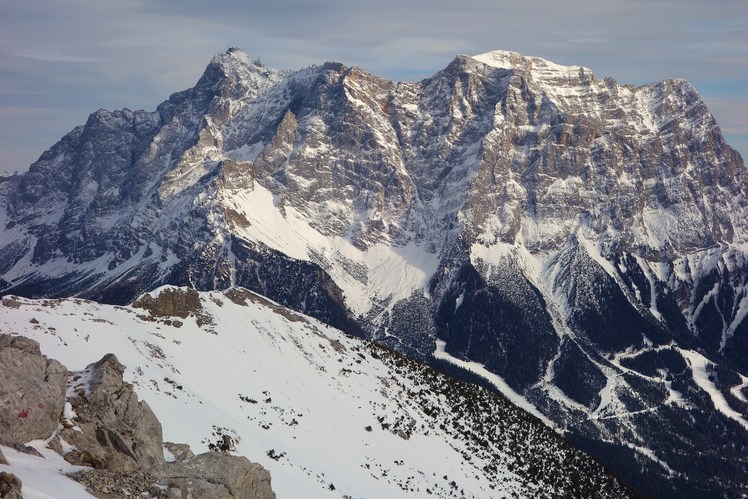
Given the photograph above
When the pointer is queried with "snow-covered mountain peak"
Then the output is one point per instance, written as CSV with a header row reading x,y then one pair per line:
x,y
235,57
241,56
235,75
506,59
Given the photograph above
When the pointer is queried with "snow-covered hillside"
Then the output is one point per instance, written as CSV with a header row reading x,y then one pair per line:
x,y
328,414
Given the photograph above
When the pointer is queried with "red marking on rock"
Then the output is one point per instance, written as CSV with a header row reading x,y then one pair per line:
x,y
23,414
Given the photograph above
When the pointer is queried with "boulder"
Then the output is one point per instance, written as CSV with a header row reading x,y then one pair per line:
x,y
117,431
171,302
14,444
217,475
213,475
179,451
10,486
32,390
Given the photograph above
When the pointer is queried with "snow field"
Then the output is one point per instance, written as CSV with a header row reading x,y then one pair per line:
x,y
302,399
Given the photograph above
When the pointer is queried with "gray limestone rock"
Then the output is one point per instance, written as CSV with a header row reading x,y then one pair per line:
x,y
14,444
105,483
10,486
212,475
179,451
119,432
217,475
32,390
171,302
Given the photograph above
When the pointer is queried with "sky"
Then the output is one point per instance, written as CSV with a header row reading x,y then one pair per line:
x,y
61,61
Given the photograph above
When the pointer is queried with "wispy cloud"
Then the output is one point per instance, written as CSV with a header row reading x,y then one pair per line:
x,y
50,56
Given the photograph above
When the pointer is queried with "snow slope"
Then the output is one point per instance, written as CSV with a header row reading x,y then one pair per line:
x,y
327,414
43,477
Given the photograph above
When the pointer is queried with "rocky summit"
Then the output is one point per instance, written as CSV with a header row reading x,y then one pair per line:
x,y
578,243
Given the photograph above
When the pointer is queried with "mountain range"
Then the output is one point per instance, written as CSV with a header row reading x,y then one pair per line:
x,y
576,244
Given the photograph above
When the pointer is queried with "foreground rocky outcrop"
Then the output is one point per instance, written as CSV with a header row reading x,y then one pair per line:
x,y
208,475
117,431
32,390
10,485
94,419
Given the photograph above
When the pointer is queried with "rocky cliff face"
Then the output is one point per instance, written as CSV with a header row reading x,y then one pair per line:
x,y
32,390
580,238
